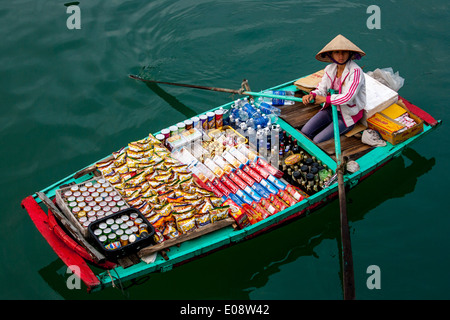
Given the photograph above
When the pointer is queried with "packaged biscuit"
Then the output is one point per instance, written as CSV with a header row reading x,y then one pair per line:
x,y
219,213
202,219
237,213
186,225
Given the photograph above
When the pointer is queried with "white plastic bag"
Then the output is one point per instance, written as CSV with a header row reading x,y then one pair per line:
x,y
387,77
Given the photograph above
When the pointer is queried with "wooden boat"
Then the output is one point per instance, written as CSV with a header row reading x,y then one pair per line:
x,y
96,272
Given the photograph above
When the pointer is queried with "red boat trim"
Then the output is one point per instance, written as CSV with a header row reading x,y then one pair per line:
x,y
73,260
419,112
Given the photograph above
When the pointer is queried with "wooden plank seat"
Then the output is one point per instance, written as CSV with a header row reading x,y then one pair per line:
x,y
298,114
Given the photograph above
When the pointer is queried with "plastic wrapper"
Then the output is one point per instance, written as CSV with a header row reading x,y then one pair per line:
x,y
218,213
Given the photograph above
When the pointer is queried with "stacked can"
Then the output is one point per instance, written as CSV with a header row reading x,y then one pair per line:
x,y
93,200
114,233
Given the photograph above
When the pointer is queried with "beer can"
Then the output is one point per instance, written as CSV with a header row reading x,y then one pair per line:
x,y
203,122
114,227
133,216
188,124
196,122
173,130
124,240
68,193
211,120
103,239
112,237
219,118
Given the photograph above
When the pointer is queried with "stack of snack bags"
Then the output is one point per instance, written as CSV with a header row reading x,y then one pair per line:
x,y
162,189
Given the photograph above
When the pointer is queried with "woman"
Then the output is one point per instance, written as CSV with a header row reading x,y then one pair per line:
x,y
347,78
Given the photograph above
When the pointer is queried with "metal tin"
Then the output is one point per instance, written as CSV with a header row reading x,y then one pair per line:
x,y
188,124
68,193
124,240
73,204
112,237
181,127
166,133
161,137
103,239
196,122
133,216
173,130
203,122
211,120
219,118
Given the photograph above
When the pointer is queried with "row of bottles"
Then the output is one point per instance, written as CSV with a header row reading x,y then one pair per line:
x,y
302,169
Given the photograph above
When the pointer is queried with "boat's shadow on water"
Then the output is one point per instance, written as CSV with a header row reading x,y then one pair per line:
x,y
236,272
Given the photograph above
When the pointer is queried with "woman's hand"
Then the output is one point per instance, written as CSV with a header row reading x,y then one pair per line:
x,y
307,99
318,99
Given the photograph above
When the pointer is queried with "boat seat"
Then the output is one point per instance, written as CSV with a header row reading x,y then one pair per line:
x,y
298,114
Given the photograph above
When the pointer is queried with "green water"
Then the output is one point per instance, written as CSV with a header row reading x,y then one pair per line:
x,y
67,101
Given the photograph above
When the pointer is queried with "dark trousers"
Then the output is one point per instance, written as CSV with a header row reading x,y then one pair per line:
x,y
320,127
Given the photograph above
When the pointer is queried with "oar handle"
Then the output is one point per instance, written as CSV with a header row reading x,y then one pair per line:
x,y
273,96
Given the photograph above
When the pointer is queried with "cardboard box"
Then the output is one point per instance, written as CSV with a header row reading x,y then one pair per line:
x,y
393,131
378,98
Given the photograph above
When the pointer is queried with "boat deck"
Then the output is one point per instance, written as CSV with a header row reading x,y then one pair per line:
x,y
298,114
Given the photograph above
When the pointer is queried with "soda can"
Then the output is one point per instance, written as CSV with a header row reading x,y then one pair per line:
x,y
166,133
120,232
219,118
196,122
113,245
161,138
173,130
138,221
211,120
188,124
112,237
133,216
203,122
68,193
103,239
102,226
124,240
181,127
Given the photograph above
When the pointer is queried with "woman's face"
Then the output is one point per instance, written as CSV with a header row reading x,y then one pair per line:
x,y
340,56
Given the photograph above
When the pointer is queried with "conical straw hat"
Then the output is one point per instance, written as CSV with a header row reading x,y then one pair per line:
x,y
338,43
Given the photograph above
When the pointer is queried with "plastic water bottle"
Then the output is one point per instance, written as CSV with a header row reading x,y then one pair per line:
x,y
226,116
280,102
275,145
243,116
268,109
252,138
249,109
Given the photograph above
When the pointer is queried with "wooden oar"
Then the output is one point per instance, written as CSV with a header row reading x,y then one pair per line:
x,y
248,93
348,281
